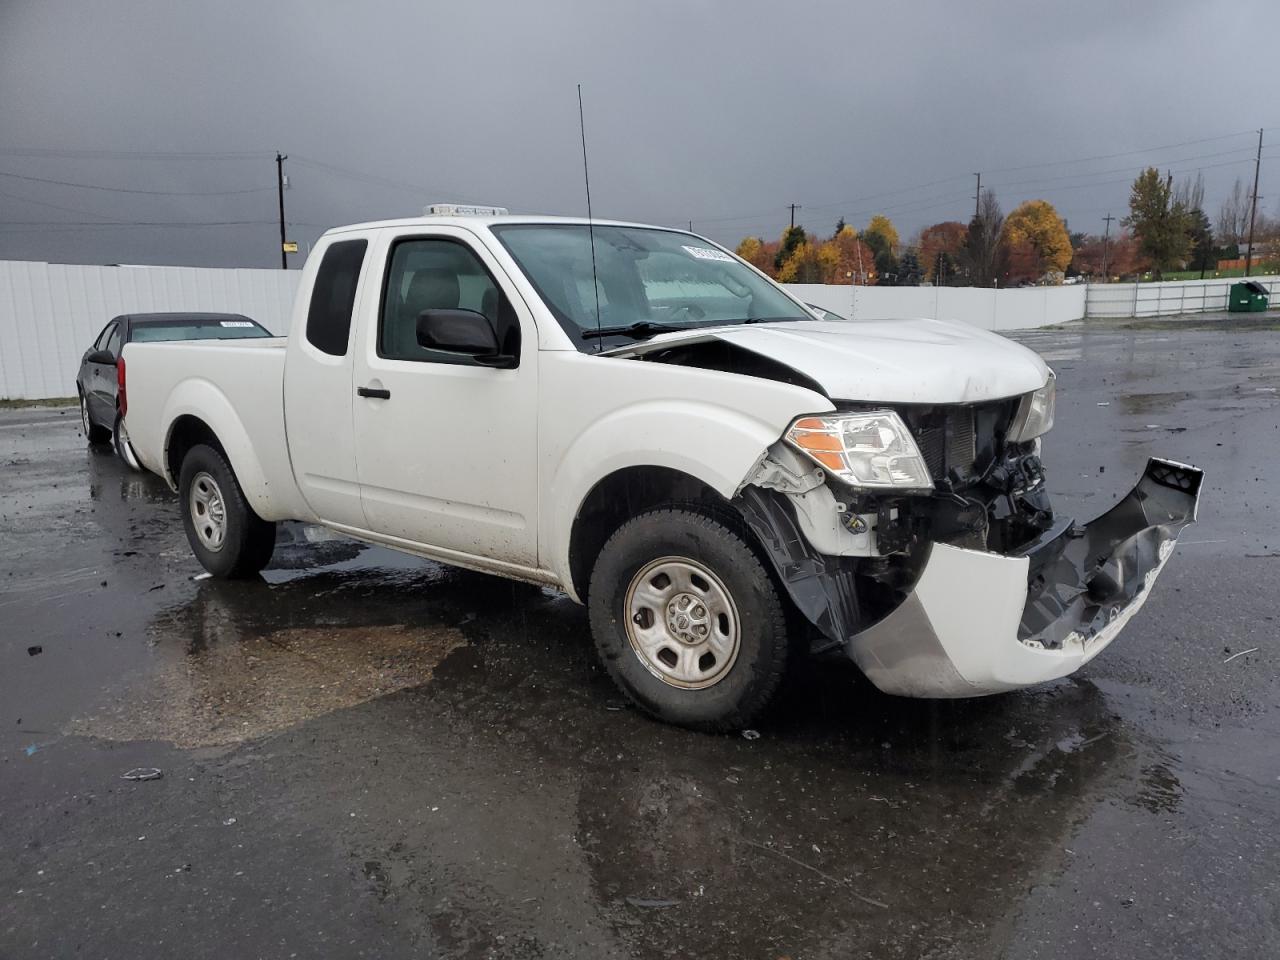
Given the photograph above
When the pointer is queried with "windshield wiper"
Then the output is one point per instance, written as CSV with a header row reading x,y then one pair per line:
x,y
774,320
636,331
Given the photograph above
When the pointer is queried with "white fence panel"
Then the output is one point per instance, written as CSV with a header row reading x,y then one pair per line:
x,y
1168,298
983,307
50,312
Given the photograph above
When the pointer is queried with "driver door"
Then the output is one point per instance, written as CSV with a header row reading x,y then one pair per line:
x,y
446,447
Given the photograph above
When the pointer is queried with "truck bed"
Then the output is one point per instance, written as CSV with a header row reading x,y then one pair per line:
x,y
236,388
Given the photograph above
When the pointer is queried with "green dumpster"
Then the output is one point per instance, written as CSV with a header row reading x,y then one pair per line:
x,y
1247,297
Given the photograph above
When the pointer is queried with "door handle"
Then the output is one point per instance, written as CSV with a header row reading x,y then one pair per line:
x,y
373,393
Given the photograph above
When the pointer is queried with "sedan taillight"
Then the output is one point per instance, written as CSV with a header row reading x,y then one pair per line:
x,y
122,397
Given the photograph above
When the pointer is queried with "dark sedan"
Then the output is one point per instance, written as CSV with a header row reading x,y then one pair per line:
x,y
102,373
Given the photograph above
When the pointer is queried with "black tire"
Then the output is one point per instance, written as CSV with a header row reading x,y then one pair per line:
x,y
246,541
120,441
680,534
93,433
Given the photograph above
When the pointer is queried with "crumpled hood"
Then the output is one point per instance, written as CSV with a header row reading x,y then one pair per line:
x,y
885,361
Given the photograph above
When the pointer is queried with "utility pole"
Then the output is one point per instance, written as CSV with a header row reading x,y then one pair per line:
x,y
280,159
1105,237
977,197
1253,212
794,208
691,226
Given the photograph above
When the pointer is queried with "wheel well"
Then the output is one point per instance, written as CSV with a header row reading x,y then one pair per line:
x,y
187,432
625,494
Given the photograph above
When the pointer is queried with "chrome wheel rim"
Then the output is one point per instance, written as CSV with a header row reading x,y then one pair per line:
x,y
123,449
208,511
682,623
84,417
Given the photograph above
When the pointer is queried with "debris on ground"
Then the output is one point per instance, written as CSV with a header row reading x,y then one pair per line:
x,y
1240,654
751,734
142,773
35,651
648,904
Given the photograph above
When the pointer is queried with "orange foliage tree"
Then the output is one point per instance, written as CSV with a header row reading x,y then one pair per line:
x,y
947,238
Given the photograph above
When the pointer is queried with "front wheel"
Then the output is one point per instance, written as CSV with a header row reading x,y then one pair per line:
x,y
687,621
227,537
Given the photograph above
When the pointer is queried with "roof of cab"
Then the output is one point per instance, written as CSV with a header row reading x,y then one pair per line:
x,y
487,220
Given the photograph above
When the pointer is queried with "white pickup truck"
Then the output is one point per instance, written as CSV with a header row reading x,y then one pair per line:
x,y
639,418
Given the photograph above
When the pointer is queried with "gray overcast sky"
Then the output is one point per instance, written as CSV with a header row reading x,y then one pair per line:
x,y
695,110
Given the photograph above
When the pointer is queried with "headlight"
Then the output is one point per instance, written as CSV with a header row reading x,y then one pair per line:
x,y
872,450
1035,412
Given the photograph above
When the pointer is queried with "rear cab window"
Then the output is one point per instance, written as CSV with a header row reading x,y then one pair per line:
x,y
232,328
333,297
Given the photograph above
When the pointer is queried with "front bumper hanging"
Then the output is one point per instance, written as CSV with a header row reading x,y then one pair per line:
x,y
979,623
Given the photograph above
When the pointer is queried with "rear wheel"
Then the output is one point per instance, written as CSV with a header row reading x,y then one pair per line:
x,y
92,432
227,537
687,621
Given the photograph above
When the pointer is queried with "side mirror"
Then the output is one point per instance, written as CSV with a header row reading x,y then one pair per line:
x,y
101,356
461,331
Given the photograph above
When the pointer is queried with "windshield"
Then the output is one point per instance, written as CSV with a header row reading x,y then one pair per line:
x,y
649,280
197,330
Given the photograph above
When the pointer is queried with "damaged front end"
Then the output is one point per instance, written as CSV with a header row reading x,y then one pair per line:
x,y
972,587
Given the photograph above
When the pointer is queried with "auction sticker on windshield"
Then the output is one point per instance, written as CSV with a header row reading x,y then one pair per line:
x,y
706,253
236,323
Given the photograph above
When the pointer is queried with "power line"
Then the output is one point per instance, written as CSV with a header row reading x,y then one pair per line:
x,y
155,193
49,152
1124,169
1113,156
79,224
52,206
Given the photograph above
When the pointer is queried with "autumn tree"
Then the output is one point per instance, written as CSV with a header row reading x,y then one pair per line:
x,y
810,262
941,246
1036,235
1159,220
856,262
759,253
881,234
792,237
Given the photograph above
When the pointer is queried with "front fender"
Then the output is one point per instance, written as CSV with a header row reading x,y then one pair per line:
x,y
715,445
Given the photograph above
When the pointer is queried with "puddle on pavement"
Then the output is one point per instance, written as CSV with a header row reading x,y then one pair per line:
x,y
328,628
231,688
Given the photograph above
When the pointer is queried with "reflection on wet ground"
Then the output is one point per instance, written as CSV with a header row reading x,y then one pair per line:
x,y
367,754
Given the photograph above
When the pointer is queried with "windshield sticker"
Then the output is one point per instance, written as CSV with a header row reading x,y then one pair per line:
x,y
706,253
236,323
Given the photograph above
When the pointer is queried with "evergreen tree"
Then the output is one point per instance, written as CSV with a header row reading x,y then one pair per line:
x,y
909,269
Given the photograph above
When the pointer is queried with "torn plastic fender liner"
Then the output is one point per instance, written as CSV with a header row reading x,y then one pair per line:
x,y
821,586
977,623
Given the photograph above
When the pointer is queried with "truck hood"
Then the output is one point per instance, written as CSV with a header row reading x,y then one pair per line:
x,y
882,361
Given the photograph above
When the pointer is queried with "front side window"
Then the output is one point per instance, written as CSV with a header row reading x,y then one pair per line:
x,y
334,296
648,280
434,274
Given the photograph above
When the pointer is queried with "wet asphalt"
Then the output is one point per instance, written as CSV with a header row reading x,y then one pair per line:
x,y
367,755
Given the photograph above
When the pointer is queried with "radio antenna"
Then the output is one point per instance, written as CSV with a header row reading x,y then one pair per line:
x,y
595,284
